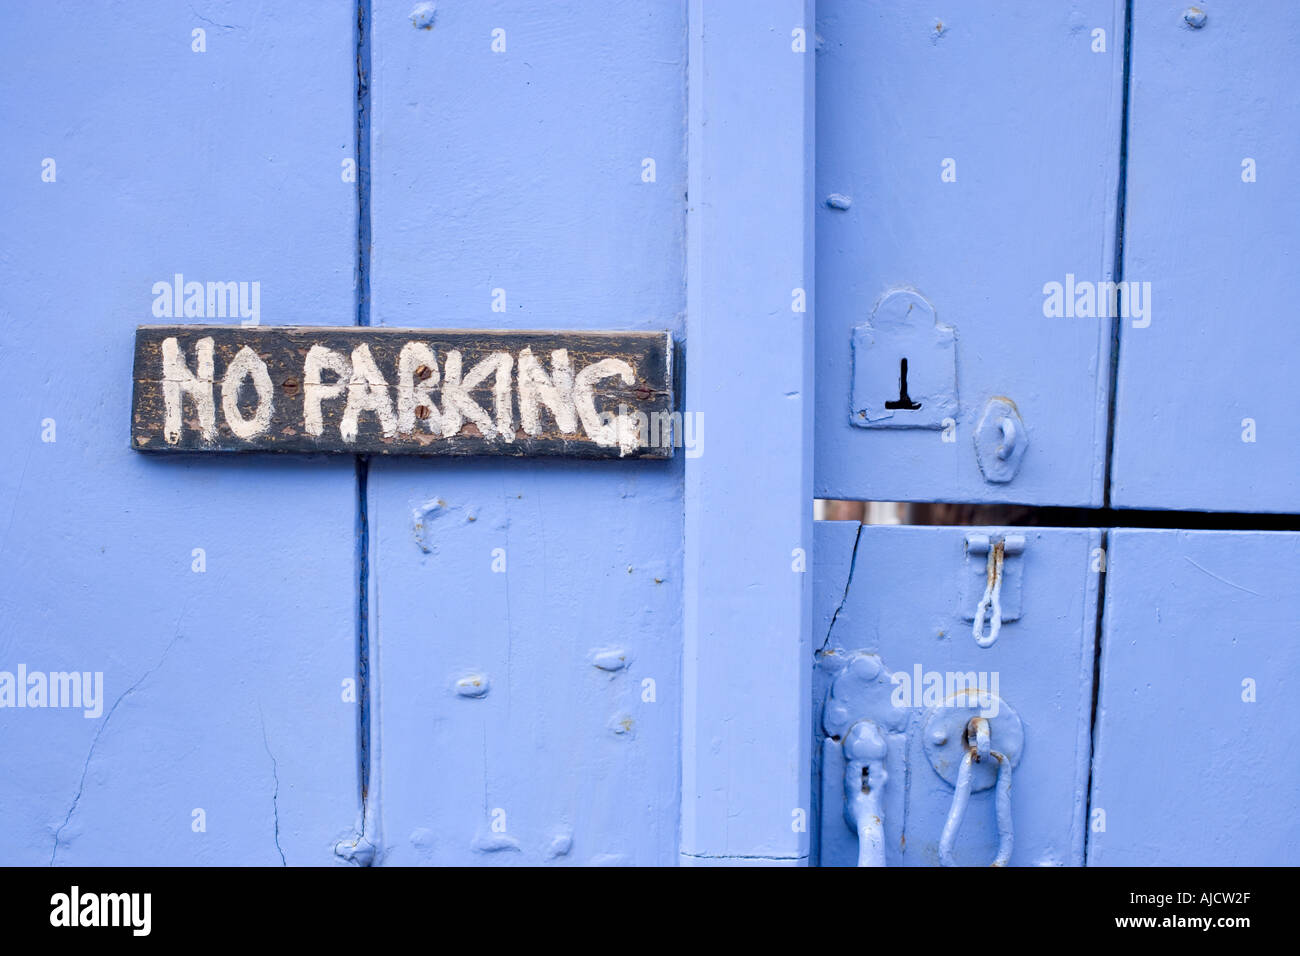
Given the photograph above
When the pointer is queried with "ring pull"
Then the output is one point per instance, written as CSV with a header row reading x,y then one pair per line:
x,y
979,735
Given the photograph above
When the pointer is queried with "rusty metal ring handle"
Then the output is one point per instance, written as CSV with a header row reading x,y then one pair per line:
x,y
961,796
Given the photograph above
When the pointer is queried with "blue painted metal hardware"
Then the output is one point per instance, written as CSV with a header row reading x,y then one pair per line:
x,y
1001,440
964,739
904,366
865,776
961,796
860,719
997,581
947,732
862,690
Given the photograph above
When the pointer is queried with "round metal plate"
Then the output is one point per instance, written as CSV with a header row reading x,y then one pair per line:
x,y
945,735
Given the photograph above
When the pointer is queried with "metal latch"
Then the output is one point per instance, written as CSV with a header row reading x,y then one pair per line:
x,y
973,740
990,574
865,745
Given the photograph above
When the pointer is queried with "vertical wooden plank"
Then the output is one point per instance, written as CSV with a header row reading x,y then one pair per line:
x,y
969,154
217,598
745,761
1208,413
527,614
1193,764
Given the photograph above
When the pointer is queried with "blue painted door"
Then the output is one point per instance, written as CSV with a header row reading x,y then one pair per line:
x,y
1040,665
329,661
944,174
515,185
207,608
1209,413
981,268
549,690
1017,254
1196,664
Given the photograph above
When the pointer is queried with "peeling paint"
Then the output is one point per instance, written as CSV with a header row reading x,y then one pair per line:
x,y
424,517
623,725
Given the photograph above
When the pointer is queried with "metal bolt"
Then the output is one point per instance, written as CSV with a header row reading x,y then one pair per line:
x,y
642,392
422,412
423,372
473,685
422,16
290,385
1194,17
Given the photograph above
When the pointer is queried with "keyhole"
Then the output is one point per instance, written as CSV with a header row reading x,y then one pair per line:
x,y
904,401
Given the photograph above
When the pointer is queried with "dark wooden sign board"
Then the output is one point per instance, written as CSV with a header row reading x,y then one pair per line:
x,y
381,391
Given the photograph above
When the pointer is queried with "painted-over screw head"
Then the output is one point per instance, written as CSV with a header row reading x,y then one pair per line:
x,y
1194,17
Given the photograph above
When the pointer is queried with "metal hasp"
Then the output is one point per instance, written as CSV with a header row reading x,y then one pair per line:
x,y
991,583
1000,440
865,735
865,749
904,366
973,741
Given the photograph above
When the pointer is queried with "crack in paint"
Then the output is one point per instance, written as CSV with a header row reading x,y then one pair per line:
x,y
85,767
1220,578
853,564
275,794
224,26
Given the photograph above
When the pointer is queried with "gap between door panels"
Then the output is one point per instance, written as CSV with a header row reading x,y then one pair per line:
x,y
366,839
